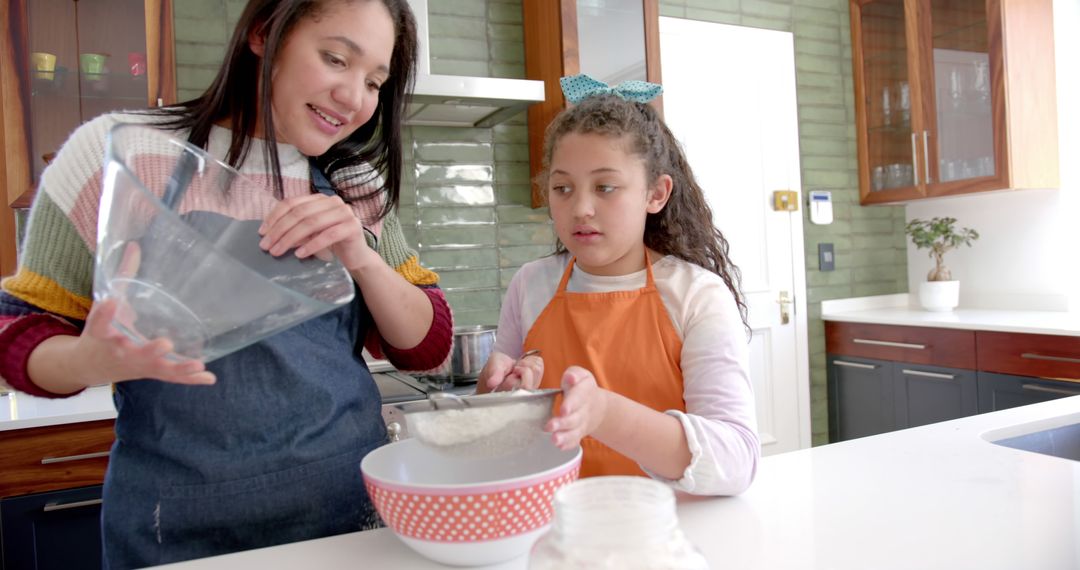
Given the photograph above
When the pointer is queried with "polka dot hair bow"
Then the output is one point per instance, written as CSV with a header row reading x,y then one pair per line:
x,y
578,87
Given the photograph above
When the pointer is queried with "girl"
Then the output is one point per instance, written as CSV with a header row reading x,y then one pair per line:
x,y
271,453
638,315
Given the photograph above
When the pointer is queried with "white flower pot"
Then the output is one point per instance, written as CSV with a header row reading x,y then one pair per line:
x,y
939,295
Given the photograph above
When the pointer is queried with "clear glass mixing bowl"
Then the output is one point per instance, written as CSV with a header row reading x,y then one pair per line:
x,y
178,246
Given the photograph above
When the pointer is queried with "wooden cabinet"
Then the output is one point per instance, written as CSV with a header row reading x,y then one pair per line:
x,y
953,96
54,457
1038,355
63,62
919,345
556,46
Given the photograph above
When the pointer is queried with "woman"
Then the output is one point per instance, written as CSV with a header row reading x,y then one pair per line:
x,y
262,446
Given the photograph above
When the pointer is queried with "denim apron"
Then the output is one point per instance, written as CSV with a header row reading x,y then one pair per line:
x,y
270,454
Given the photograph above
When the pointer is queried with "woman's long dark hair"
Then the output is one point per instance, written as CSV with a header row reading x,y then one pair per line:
x,y
684,228
235,95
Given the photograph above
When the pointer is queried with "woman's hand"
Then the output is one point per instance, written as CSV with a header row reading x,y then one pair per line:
x,y
106,355
583,408
502,373
317,225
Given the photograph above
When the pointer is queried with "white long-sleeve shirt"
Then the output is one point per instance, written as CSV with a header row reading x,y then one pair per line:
x,y
720,420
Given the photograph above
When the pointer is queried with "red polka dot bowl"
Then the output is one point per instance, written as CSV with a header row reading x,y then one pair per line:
x,y
467,511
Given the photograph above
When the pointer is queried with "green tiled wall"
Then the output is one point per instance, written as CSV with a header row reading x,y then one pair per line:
x,y
466,202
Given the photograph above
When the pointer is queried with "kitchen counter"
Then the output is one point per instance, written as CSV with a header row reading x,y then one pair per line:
x,y
901,309
936,496
20,411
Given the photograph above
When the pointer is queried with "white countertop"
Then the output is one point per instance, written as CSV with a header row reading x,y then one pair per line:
x,y
898,310
936,496
20,411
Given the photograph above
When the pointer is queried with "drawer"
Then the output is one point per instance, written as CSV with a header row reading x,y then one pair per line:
x,y
1039,355
917,345
54,457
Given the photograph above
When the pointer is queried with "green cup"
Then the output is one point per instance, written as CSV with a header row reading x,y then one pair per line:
x,y
92,62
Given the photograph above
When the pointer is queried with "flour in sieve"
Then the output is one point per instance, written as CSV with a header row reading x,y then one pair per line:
x,y
481,431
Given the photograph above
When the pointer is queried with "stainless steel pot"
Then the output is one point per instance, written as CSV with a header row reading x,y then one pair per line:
x,y
472,347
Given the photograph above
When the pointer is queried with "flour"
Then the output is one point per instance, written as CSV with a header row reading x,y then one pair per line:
x,y
482,431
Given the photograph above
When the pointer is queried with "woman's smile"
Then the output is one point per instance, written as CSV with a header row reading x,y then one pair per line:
x,y
328,121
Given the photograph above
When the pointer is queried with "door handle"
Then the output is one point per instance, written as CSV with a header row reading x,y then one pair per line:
x,y
95,455
889,343
1048,389
936,375
855,364
53,507
1033,356
926,155
785,303
915,157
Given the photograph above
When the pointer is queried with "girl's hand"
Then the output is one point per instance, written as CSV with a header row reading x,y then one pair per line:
x,y
502,373
109,356
582,411
317,225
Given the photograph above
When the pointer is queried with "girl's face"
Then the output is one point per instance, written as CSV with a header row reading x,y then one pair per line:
x,y
328,72
599,199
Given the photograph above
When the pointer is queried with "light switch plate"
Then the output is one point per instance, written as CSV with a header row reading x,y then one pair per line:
x,y
826,258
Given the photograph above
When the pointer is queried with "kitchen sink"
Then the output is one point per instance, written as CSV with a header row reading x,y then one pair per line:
x,y
1058,437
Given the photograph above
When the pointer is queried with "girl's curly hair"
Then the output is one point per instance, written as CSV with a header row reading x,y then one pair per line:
x,y
684,228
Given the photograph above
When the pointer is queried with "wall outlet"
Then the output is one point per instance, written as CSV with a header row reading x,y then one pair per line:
x,y
825,257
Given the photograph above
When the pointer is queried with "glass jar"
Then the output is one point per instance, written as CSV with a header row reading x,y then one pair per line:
x,y
628,523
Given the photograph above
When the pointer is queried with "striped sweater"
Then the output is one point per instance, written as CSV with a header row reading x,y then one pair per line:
x,y
52,291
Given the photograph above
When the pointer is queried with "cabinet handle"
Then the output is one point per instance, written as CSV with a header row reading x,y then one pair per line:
x,y
915,157
926,154
48,460
889,343
1049,390
854,364
51,507
1033,356
937,375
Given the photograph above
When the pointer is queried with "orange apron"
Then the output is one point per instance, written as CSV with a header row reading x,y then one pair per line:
x,y
626,339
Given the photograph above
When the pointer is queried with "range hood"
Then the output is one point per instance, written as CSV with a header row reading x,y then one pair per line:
x,y
463,101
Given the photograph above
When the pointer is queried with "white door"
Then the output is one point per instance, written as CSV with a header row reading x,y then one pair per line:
x,y
729,97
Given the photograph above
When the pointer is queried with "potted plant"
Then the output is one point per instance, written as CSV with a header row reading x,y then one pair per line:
x,y
940,292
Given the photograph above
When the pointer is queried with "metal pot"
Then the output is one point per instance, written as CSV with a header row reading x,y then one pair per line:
x,y
472,347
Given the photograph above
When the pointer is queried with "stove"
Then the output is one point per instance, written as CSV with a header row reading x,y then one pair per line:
x,y
429,384
396,387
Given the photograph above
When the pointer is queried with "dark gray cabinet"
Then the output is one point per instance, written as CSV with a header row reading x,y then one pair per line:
x,y
869,396
931,394
861,397
1003,391
57,530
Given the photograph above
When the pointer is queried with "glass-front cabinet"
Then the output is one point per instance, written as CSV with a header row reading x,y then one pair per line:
x,y
68,61
939,109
